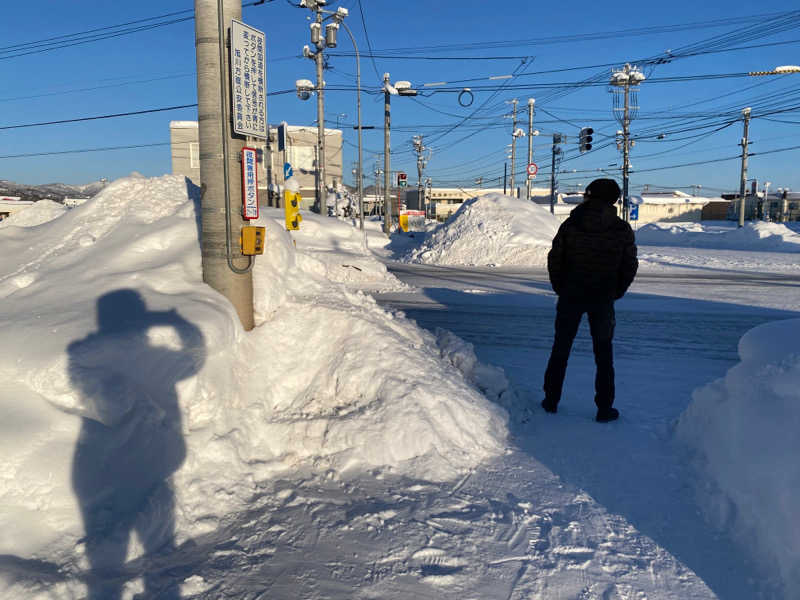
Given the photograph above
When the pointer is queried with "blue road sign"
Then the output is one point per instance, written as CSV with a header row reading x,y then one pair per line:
x,y
635,212
287,171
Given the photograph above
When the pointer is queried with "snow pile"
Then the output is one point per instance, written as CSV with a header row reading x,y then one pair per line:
x,y
36,214
762,236
743,429
128,382
490,230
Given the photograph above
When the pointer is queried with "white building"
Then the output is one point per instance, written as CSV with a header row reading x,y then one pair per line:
x,y
300,153
651,207
11,204
442,202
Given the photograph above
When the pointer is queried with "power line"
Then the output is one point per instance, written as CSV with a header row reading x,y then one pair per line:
x,y
369,43
100,33
84,150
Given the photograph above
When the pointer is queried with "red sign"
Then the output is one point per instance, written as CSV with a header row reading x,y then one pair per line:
x,y
533,169
249,183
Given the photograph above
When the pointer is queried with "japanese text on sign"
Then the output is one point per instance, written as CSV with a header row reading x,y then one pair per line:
x,y
248,80
249,184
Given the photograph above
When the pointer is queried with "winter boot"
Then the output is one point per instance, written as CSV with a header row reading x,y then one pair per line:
x,y
549,406
604,415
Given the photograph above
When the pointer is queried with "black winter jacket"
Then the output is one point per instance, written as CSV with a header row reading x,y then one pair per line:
x,y
593,257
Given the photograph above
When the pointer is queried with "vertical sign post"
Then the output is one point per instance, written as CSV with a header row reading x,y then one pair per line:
x,y
248,80
249,183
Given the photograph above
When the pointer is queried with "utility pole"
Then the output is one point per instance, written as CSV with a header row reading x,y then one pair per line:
x,y
513,143
626,82
528,179
743,179
422,162
626,156
557,139
319,63
505,176
224,268
387,167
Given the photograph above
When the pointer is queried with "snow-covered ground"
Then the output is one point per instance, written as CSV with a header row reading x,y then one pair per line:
x,y
338,450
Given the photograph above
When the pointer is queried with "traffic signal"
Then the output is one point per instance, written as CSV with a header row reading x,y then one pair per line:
x,y
291,207
402,180
586,139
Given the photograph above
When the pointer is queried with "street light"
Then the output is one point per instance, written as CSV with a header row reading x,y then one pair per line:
x,y
400,88
341,13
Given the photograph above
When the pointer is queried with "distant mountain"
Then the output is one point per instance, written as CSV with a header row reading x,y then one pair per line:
x,y
52,191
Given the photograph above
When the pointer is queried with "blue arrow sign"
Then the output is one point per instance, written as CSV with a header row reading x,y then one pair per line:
x,y
287,171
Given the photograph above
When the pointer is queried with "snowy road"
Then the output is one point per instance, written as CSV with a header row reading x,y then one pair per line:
x,y
675,332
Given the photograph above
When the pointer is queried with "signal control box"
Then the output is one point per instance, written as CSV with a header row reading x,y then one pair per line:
x,y
252,240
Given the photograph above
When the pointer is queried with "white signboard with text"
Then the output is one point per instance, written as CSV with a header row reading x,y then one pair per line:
x,y
248,80
249,183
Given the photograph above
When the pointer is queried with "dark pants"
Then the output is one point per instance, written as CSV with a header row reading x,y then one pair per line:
x,y
601,325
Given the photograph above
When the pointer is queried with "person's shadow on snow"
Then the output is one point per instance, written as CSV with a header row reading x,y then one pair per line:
x,y
130,440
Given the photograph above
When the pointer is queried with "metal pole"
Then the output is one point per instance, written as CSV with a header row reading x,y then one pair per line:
x,y
318,62
360,152
513,144
387,207
556,140
224,268
743,179
528,180
505,175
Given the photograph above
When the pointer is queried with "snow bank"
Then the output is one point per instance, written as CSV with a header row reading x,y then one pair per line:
x,y
36,214
774,237
126,380
490,230
743,429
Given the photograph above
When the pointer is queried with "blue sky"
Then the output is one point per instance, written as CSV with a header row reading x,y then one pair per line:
x,y
415,41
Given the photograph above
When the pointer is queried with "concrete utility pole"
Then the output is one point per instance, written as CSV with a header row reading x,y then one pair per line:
x,y
387,166
557,139
743,179
224,267
319,63
626,156
513,143
419,148
626,81
528,179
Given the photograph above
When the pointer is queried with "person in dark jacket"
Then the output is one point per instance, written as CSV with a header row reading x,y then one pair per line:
x,y
591,264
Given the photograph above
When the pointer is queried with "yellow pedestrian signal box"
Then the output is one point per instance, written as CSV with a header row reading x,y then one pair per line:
x,y
252,240
291,206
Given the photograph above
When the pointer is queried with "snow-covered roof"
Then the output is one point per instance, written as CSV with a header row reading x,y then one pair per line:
x,y
675,197
183,125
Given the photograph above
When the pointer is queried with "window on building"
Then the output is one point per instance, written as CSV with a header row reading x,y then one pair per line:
x,y
194,155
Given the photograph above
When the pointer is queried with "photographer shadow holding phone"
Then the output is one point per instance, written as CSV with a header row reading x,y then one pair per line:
x,y
131,438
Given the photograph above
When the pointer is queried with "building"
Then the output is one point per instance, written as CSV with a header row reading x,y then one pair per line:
x,y
780,206
442,202
11,204
677,207
300,153
651,207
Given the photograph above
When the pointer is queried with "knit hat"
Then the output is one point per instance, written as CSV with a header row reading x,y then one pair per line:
x,y
603,189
